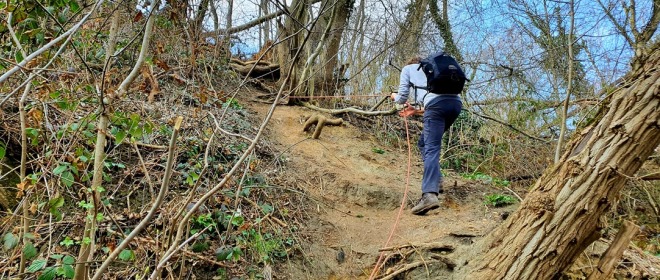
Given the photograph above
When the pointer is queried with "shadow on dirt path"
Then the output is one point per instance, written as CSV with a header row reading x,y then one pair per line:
x,y
355,195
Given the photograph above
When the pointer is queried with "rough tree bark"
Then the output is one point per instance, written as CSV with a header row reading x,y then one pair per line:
x,y
410,32
561,215
330,59
298,17
342,15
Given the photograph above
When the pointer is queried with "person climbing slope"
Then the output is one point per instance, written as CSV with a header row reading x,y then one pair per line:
x,y
436,84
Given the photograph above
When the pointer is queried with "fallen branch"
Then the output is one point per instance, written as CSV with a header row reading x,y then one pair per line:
x,y
351,110
650,177
143,240
514,193
379,103
610,258
268,216
251,23
249,62
645,263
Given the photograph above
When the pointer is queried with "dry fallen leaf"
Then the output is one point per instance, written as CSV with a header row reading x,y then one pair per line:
x,y
33,208
22,187
36,117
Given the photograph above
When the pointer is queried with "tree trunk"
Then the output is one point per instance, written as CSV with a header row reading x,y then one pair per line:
x,y
410,34
442,22
569,83
263,7
561,216
230,12
198,27
330,57
286,50
408,39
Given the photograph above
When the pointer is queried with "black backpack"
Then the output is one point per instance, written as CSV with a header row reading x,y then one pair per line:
x,y
443,74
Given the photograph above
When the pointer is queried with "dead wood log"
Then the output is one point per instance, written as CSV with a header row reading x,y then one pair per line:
x,y
320,122
351,110
250,62
254,69
646,264
611,257
651,177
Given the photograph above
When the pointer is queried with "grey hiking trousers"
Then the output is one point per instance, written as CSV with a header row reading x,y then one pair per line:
x,y
439,115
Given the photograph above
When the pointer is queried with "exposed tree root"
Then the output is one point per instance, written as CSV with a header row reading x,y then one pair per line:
x,y
320,122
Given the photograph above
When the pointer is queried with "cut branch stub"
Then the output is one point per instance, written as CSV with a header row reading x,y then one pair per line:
x,y
320,122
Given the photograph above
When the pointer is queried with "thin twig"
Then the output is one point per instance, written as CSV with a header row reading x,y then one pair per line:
x,y
154,207
514,193
144,168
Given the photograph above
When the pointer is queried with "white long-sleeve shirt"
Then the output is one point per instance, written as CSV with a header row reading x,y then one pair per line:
x,y
410,75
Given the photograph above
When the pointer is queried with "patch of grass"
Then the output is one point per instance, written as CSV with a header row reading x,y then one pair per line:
x,y
265,247
378,150
499,200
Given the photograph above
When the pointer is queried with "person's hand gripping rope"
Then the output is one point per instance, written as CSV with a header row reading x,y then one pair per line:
x,y
408,110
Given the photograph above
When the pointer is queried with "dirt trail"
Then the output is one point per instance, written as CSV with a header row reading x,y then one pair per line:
x,y
357,194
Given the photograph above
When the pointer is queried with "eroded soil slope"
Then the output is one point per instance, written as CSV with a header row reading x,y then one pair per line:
x,y
355,194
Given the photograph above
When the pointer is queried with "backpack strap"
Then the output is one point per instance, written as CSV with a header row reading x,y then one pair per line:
x,y
415,95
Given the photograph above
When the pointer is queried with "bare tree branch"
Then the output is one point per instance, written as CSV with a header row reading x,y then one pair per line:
x,y
508,125
50,44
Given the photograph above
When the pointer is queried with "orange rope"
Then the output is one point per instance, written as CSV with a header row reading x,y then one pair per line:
x,y
403,204
336,96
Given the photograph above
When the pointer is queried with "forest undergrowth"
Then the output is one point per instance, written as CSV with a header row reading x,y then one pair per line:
x,y
253,224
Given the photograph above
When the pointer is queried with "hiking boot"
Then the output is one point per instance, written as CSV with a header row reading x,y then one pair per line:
x,y
429,201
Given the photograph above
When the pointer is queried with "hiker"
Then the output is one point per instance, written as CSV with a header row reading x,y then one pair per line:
x,y
440,109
